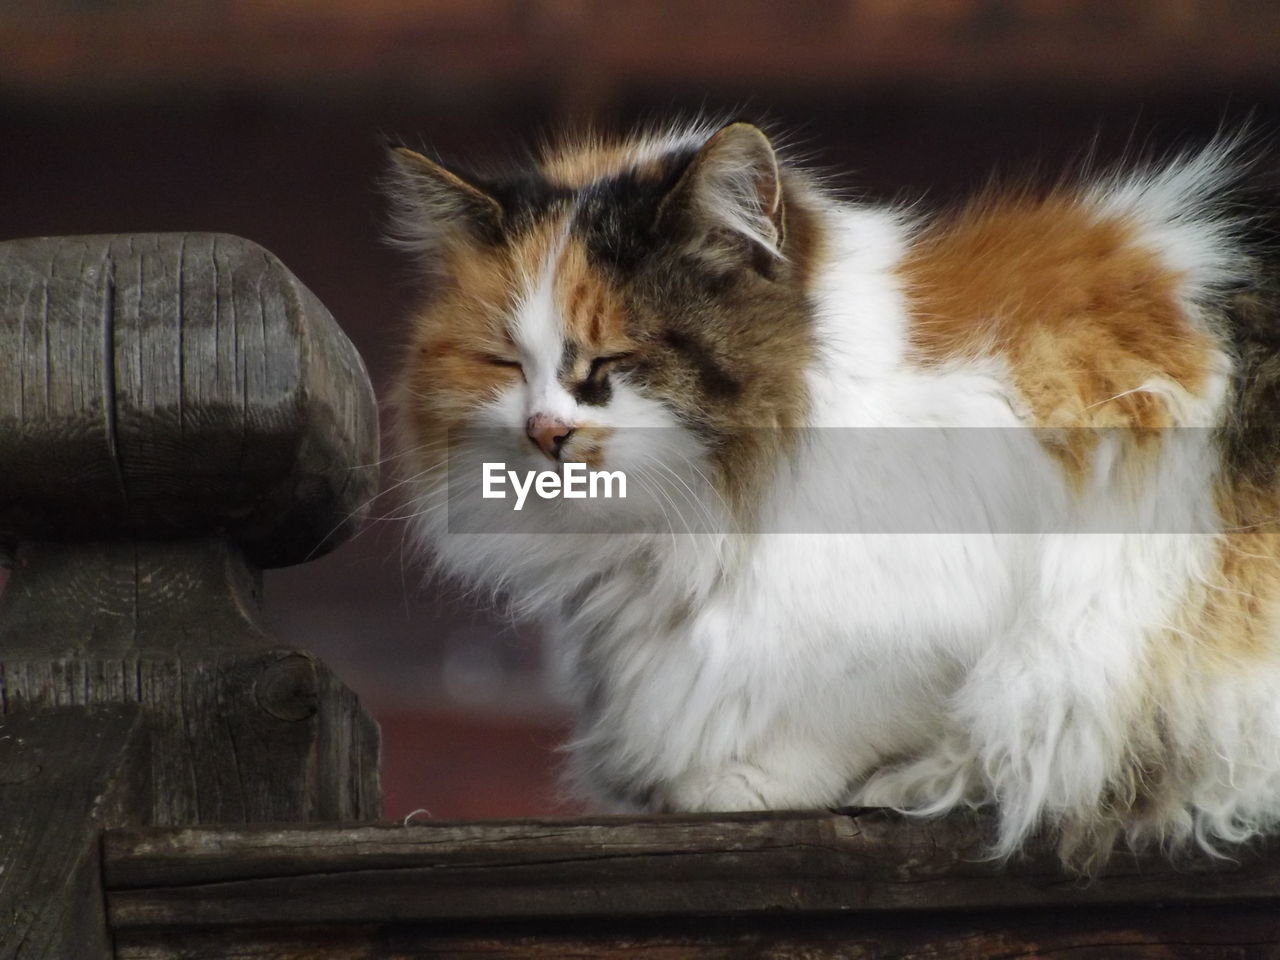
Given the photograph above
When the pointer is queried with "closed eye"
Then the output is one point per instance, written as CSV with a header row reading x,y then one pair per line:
x,y
600,364
497,361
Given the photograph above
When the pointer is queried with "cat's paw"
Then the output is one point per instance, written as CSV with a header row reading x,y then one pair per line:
x,y
736,787
931,784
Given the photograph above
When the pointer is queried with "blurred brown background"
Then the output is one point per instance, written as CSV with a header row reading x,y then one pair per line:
x,y
265,118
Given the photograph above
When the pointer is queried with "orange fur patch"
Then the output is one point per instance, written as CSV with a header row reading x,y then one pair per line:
x,y
578,165
587,445
462,330
593,312
1083,315
449,367
1240,615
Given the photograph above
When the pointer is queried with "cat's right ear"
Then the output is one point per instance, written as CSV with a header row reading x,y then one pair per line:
x,y
433,208
728,201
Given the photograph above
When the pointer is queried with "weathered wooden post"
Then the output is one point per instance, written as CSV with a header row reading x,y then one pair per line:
x,y
176,412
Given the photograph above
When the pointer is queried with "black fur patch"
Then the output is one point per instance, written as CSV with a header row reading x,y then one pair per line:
x,y
568,357
616,217
1252,436
594,392
716,382
525,198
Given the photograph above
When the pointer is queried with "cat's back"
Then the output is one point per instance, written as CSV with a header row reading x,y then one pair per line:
x,y
1109,304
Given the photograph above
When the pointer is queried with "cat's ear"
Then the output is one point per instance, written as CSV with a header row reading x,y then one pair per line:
x,y
728,202
432,207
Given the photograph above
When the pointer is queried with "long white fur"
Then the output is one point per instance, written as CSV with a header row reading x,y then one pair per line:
x,y
920,671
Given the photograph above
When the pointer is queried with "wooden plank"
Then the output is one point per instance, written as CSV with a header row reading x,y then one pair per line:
x,y
63,774
1217,933
805,863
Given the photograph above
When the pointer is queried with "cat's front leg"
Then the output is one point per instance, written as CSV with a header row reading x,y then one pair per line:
x,y
737,786
788,774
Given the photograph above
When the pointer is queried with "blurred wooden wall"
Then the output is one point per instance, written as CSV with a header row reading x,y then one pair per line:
x,y
586,51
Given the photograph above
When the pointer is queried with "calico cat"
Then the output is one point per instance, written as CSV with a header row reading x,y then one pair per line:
x,y
776,370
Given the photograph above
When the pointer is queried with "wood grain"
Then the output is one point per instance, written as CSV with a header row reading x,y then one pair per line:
x,y
63,774
176,411
818,884
795,863
177,385
1219,933
179,411
128,598
260,737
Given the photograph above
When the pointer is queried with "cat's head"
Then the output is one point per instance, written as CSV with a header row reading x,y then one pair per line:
x,y
629,305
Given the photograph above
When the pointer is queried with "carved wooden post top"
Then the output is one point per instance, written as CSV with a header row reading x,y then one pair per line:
x,y
155,386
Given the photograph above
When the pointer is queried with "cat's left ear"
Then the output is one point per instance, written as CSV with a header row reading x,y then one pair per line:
x,y
729,199
434,208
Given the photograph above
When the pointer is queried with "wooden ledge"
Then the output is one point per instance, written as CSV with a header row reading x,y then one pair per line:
x,y
819,885
801,863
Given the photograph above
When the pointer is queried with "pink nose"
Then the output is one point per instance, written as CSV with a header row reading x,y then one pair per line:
x,y
548,434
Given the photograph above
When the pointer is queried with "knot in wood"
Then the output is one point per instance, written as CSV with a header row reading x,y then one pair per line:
x,y
287,689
